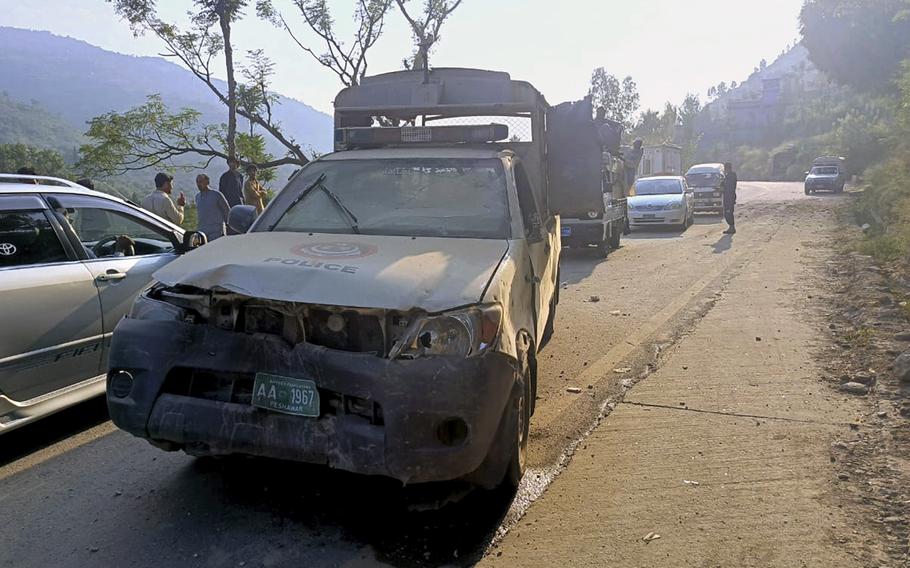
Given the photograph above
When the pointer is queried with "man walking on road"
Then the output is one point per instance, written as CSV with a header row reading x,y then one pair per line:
x,y
730,182
231,183
211,208
159,201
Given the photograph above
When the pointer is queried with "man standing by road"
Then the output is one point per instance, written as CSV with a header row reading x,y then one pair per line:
x,y
159,201
231,183
212,209
730,182
253,192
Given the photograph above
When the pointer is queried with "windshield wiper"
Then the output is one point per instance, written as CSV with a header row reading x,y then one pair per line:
x,y
352,219
318,184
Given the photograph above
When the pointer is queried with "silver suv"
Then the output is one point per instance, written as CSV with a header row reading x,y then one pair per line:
x,y
71,262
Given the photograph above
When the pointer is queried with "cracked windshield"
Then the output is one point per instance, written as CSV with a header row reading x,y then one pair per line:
x,y
452,283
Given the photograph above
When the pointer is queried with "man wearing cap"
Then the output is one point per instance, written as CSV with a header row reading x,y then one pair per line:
x,y
159,201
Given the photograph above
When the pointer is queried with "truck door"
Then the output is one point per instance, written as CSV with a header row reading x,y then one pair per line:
x,y
540,245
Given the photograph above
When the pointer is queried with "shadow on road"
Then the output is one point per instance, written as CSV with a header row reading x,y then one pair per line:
x,y
723,244
403,526
45,432
576,264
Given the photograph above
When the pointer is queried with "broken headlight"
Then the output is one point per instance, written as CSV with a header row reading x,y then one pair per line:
x,y
461,333
146,308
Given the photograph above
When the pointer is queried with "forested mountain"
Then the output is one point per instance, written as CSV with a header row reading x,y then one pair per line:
x,y
32,124
79,81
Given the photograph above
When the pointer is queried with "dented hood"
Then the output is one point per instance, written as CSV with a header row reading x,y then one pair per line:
x,y
361,271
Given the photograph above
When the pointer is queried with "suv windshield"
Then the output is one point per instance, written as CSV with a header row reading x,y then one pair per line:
x,y
430,197
824,171
658,187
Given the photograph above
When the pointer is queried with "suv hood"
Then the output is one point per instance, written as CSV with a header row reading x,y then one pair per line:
x,y
358,271
821,176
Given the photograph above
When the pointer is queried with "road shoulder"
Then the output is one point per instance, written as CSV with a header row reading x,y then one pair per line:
x,y
723,456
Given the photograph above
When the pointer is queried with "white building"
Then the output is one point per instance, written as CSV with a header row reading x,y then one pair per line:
x,y
661,159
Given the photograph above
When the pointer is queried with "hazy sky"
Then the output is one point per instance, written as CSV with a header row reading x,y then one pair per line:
x,y
670,47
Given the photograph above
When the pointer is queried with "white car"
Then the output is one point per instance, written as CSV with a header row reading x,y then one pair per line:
x,y
71,262
661,200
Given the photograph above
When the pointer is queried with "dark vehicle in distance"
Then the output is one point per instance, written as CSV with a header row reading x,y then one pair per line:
x,y
827,174
706,181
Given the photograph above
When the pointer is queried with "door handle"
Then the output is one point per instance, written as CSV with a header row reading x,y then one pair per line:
x,y
110,276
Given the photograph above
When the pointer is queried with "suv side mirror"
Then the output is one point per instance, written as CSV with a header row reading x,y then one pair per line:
x,y
241,218
192,240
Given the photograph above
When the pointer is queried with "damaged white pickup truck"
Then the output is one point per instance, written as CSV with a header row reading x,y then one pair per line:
x,y
384,313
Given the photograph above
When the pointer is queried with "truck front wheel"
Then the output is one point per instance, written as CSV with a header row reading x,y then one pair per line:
x,y
520,423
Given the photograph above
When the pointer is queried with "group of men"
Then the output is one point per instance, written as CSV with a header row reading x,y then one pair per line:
x,y
212,206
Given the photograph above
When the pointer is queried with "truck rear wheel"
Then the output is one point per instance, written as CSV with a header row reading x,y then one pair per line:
x,y
615,236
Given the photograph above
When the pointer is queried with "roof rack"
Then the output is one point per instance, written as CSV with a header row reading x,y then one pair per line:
x,y
24,178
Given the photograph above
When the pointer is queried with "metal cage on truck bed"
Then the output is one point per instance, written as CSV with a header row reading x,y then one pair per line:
x,y
564,178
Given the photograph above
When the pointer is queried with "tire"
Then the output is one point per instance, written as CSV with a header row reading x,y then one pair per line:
x,y
603,247
615,237
521,420
808,191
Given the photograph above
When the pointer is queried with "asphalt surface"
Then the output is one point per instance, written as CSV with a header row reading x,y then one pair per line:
x,y
78,492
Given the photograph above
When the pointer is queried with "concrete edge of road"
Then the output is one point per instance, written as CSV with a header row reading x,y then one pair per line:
x,y
642,352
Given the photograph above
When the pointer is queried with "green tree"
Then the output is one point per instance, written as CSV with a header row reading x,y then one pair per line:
x,y
425,28
44,161
148,136
619,100
202,47
347,61
857,42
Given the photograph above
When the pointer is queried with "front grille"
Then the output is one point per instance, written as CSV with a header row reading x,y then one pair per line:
x,y
237,388
336,328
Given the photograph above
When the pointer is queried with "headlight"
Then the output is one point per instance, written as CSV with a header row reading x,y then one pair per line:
x,y
631,205
674,205
593,214
463,333
145,308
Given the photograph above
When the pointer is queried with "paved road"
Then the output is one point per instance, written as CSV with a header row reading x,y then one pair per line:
x,y
82,493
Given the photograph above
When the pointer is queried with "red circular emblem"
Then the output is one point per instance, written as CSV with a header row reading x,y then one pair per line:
x,y
335,250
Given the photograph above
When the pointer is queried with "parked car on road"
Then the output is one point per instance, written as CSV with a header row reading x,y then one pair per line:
x,y
71,262
661,200
827,174
706,181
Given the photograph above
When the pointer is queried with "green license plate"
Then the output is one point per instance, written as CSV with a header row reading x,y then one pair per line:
x,y
284,394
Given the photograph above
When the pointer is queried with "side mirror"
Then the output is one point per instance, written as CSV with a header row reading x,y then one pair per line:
x,y
241,218
192,240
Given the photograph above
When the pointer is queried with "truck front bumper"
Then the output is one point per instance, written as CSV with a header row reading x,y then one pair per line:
x,y
422,420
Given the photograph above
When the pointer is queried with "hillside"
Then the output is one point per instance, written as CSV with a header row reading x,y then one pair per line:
x,y
785,114
29,123
79,81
